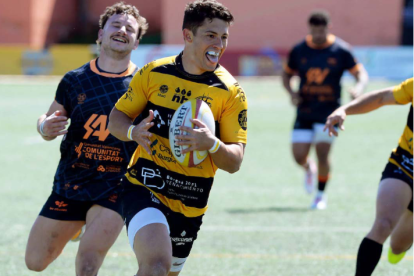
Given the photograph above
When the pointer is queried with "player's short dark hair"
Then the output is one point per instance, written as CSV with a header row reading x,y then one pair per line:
x,y
122,8
319,18
195,13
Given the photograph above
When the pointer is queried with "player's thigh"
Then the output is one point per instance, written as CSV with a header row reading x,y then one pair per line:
x,y
147,226
394,195
59,219
48,237
183,232
301,151
301,139
103,226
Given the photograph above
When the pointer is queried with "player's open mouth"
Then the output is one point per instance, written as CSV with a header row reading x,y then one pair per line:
x,y
212,56
119,39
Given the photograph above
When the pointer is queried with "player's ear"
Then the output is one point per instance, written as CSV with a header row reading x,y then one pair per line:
x,y
188,35
136,44
100,34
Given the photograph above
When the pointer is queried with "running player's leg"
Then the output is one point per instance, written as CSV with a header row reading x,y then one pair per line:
x,y
322,147
302,137
56,224
402,236
153,250
393,198
103,226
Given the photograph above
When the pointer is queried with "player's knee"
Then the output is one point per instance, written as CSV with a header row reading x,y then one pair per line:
x,y
88,264
157,266
34,264
300,160
384,226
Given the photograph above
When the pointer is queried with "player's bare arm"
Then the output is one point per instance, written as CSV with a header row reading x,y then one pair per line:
x,y
120,123
286,83
53,123
228,157
361,77
363,104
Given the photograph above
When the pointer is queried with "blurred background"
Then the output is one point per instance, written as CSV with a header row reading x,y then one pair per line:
x,y
51,37
258,222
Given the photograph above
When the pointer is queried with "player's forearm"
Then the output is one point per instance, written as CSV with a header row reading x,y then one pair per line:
x,y
229,157
39,124
361,79
286,82
369,102
119,124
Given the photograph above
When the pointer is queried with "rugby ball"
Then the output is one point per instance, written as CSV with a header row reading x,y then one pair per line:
x,y
192,109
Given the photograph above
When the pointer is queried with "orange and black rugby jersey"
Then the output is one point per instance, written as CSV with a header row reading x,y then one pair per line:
x,y
402,156
92,160
162,86
320,68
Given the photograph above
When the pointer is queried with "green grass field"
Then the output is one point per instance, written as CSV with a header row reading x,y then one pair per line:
x,y
258,222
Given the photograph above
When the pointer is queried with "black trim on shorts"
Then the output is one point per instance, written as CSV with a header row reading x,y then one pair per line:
x,y
183,230
393,171
61,208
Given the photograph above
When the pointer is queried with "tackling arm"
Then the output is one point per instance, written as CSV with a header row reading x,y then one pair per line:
x,y
364,104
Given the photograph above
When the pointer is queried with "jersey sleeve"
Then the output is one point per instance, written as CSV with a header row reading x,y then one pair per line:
x,y
350,63
62,94
403,93
133,102
233,122
291,66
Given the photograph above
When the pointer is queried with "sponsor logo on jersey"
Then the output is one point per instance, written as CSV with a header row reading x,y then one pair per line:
x,y
205,99
180,95
243,119
81,98
163,90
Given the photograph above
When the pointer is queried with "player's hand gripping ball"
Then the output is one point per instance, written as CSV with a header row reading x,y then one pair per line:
x,y
192,109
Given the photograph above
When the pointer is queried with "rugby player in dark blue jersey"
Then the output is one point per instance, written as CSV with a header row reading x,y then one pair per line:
x,y
86,183
319,61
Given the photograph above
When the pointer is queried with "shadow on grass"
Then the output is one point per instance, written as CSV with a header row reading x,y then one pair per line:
x,y
283,209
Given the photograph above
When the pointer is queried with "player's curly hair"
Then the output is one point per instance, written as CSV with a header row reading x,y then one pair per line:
x,y
122,8
195,13
319,18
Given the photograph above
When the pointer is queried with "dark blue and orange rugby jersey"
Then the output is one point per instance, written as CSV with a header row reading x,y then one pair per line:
x,y
92,160
162,86
402,156
320,68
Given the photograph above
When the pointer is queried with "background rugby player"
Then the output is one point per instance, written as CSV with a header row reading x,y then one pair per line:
x,y
86,183
394,212
319,61
164,202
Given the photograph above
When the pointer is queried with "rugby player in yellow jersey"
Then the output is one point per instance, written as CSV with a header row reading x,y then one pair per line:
x,y
164,202
394,215
86,183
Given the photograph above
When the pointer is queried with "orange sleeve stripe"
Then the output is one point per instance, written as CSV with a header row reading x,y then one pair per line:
x,y
355,69
289,70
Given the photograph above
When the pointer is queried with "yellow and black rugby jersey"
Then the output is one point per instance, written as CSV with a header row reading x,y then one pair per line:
x,y
402,156
162,86
92,160
320,68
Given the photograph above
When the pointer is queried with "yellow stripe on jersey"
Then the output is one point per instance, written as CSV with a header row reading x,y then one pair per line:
x,y
402,156
162,86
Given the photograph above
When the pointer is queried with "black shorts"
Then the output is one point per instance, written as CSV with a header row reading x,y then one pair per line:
x,y
393,171
61,208
183,230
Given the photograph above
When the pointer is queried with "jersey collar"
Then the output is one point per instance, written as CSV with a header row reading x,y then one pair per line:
x,y
131,69
329,41
180,68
